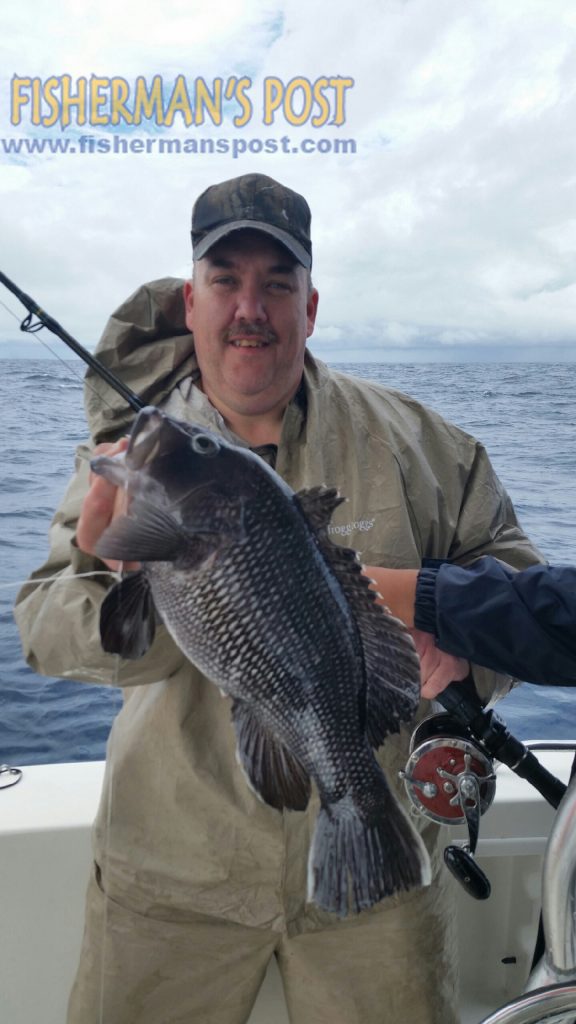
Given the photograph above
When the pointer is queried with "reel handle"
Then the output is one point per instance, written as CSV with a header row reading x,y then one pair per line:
x,y
460,859
467,872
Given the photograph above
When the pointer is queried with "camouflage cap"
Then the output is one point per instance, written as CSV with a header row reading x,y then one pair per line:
x,y
252,201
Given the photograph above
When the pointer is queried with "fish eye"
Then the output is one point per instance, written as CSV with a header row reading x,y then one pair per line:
x,y
203,444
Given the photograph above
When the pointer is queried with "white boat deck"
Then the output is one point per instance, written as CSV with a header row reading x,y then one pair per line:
x,y
45,858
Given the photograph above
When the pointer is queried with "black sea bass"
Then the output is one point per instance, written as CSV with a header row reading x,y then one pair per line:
x,y
242,572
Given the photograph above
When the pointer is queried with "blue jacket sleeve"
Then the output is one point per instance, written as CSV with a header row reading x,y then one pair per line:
x,y
523,622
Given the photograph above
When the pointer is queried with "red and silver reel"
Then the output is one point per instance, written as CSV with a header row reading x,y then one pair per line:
x,y
451,780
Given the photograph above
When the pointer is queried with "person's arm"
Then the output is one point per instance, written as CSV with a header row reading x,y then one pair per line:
x,y
59,619
397,590
518,622
521,622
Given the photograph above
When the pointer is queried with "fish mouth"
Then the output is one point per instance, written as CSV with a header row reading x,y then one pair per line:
x,y
144,438
156,435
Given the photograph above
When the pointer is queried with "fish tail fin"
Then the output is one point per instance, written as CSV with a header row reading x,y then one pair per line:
x,y
358,857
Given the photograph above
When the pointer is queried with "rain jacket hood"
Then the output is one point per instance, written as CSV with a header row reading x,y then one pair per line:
x,y
147,344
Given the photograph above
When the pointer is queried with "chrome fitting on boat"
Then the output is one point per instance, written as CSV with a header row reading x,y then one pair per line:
x,y
9,776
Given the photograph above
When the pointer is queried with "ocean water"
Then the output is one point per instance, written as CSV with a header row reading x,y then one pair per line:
x,y
524,413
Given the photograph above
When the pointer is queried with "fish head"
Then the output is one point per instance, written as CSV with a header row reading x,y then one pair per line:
x,y
160,445
185,467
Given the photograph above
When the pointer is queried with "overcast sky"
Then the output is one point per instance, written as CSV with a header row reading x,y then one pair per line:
x,y
450,234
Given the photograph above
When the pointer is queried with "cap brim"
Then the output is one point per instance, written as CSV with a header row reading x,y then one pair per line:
x,y
290,243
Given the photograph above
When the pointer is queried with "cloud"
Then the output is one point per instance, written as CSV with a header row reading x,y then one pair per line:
x,y
452,225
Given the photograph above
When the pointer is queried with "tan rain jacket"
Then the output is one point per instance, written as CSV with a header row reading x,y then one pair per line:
x,y
179,832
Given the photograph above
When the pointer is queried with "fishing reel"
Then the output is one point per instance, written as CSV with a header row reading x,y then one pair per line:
x,y
450,779
450,776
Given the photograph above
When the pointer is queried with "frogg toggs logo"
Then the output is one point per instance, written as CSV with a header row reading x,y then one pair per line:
x,y
347,528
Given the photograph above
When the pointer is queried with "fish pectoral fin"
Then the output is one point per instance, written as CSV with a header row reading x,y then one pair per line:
x,y
148,534
318,504
128,618
273,771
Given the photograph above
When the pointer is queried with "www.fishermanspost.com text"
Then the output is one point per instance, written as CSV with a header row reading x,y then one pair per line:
x,y
118,144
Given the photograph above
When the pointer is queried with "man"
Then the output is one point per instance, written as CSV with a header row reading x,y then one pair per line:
x,y
196,883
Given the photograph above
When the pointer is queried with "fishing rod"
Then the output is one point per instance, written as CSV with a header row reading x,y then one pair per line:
x,y
45,320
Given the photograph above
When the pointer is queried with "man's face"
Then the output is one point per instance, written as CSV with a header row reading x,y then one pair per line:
x,y
250,310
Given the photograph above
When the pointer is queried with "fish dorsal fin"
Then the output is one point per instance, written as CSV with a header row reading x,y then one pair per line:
x,y
127,617
392,674
391,663
272,770
318,504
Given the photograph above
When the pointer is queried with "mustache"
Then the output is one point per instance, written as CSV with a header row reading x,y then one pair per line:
x,y
248,329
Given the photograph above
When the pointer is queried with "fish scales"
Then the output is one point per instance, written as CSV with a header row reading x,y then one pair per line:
x,y
267,604
243,574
